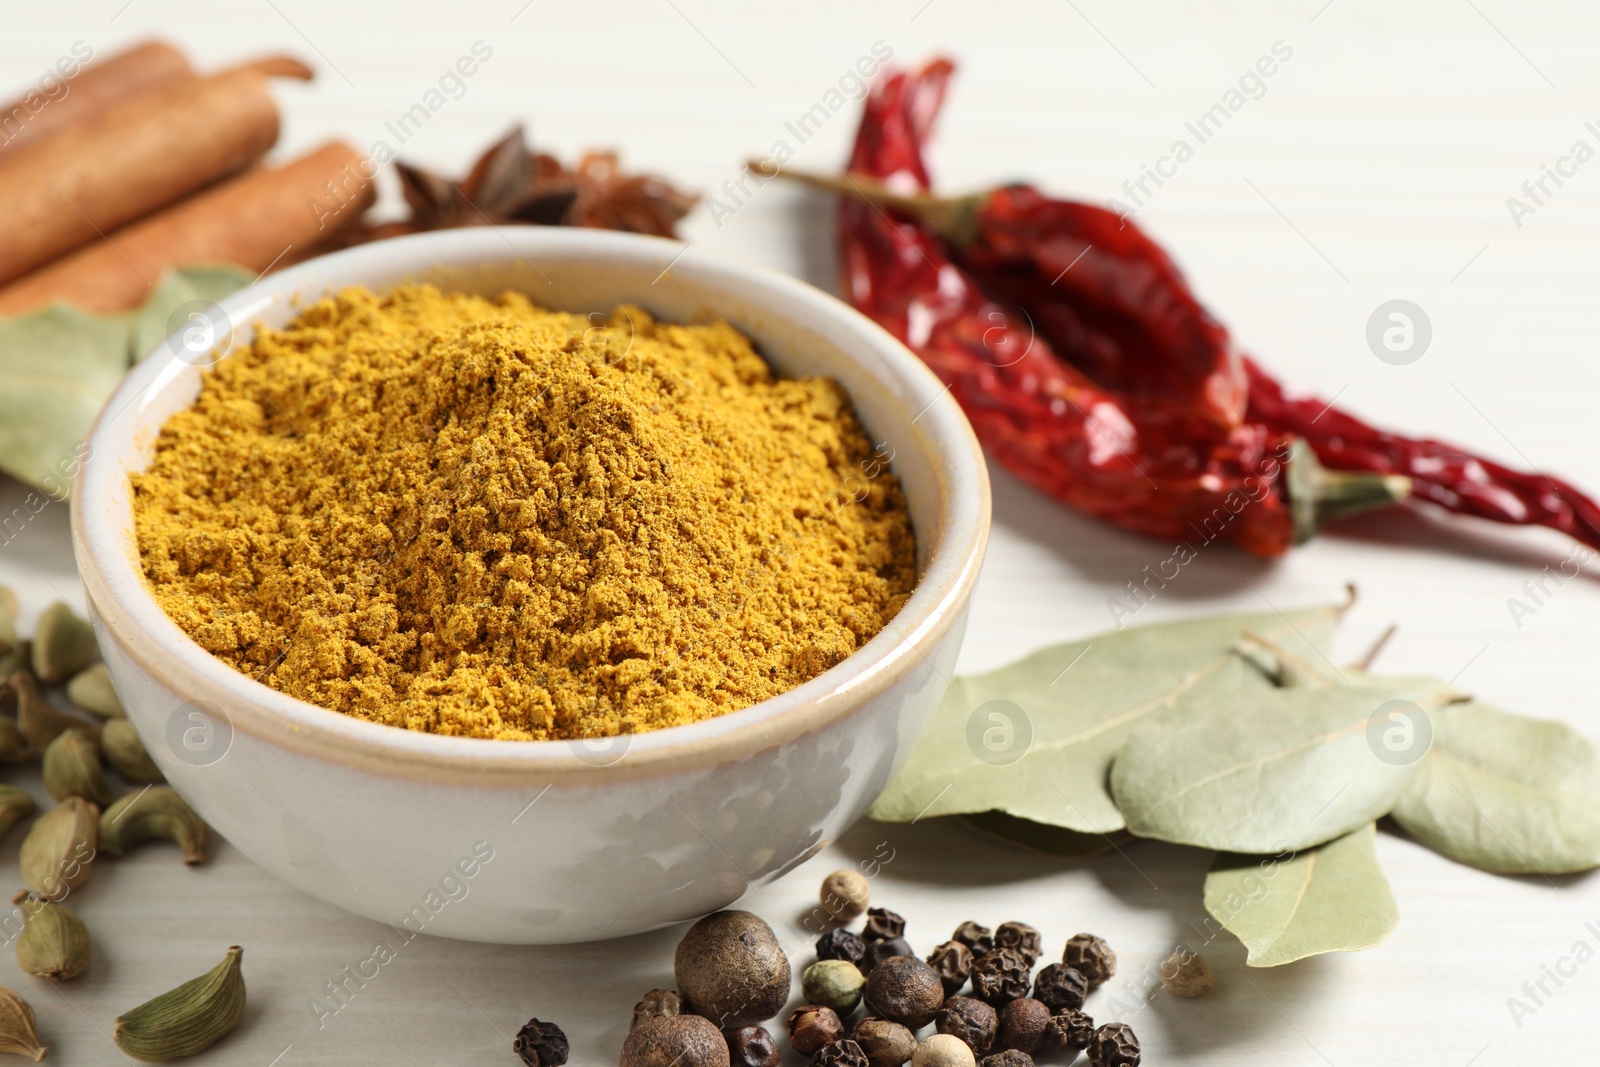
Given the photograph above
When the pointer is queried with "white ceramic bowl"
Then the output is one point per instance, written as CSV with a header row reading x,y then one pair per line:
x,y
529,841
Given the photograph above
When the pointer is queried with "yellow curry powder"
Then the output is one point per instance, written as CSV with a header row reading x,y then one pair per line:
x,y
477,517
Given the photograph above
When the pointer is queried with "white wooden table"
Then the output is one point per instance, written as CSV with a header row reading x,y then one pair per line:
x,y
1375,164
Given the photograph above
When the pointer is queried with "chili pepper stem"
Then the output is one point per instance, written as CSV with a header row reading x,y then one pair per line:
x,y
954,219
1317,494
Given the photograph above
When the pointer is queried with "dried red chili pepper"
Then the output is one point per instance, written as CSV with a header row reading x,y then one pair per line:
x,y
1149,464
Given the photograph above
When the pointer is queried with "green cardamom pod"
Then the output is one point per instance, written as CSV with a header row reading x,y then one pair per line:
x,y
125,752
157,812
72,769
187,1020
39,722
63,644
8,619
14,748
15,805
18,659
59,849
91,690
19,1034
54,943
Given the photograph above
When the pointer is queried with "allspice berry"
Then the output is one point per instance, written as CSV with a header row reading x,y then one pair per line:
x,y
1185,974
1092,958
905,990
833,984
1022,1025
1022,937
1060,986
1001,976
811,1026
953,961
845,894
886,1044
656,1004
731,969
752,1046
942,1050
971,1020
675,1041
1113,1045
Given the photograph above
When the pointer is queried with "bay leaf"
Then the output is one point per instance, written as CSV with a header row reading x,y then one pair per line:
x,y
1332,898
1039,837
1035,739
1272,770
59,364
1506,793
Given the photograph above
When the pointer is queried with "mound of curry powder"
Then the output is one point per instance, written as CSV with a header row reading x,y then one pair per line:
x,y
480,518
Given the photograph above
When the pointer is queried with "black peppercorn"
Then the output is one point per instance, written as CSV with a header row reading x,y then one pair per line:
x,y
1022,1025
751,1046
882,923
980,939
886,1044
655,1004
1070,1030
1092,957
878,951
1113,1045
1060,986
1022,937
973,1021
841,944
953,961
1009,1058
904,990
541,1044
841,1054
811,1026
1001,976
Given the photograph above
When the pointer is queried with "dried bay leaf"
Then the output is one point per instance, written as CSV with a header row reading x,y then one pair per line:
x,y
1268,771
1333,898
58,365
1077,703
1038,837
1506,793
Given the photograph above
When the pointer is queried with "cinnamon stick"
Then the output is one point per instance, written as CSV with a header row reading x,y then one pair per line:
x,y
62,101
259,218
132,158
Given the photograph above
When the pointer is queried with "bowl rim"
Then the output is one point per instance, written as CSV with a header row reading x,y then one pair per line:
x,y
147,638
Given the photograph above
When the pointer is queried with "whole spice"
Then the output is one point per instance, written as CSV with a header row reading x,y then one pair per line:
x,y
834,984
887,1044
19,1034
54,943
675,1041
1091,957
811,1026
752,1046
731,969
156,813
1070,1030
185,1020
980,939
841,944
8,620
15,805
904,990
72,769
845,1053
38,721
1009,1058
13,746
392,444
541,1044
845,894
1001,976
91,91
91,690
60,847
63,644
943,1050
1022,1025
1113,1045
1059,986
120,745
882,924
656,1004
1022,937
953,961
884,948
973,1021
1186,974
